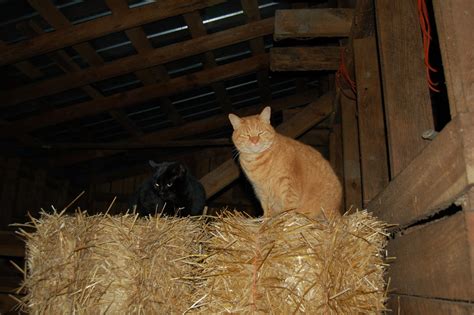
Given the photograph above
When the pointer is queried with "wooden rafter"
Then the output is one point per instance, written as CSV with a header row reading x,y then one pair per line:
x,y
192,128
57,20
228,171
99,27
138,62
257,46
139,95
141,43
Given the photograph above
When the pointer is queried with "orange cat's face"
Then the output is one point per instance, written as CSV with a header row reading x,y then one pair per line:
x,y
253,134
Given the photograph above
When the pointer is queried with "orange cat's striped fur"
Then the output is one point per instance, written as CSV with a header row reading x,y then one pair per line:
x,y
285,174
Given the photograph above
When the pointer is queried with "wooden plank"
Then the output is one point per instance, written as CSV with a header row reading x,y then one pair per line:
x,y
197,29
434,260
100,27
433,180
139,95
191,128
227,172
257,46
373,146
406,94
11,245
304,58
350,153
309,23
408,305
137,62
8,304
454,23
8,196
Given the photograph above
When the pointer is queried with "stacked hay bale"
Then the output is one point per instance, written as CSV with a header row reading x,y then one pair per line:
x,y
286,264
123,264
291,264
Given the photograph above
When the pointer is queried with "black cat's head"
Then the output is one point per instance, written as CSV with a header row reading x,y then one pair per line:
x,y
168,179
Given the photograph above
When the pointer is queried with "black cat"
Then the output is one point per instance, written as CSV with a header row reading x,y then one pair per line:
x,y
172,191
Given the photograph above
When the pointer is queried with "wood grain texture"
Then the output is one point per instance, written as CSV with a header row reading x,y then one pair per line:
x,y
406,94
455,22
304,58
139,95
227,172
137,62
434,260
408,305
99,27
11,245
350,153
188,129
335,154
308,23
373,146
433,180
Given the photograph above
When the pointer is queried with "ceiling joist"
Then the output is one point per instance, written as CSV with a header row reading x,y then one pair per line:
x,y
304,58
99,27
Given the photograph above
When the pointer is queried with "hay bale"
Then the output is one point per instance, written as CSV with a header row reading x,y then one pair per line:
x,y
291,264
123,264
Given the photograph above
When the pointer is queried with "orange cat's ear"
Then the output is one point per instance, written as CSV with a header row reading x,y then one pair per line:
x,y
265,114
235,121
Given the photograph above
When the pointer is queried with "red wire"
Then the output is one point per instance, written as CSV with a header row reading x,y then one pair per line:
x,y
342,73
426,32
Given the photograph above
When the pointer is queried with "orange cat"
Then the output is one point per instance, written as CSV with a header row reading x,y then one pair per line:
x,y
285,174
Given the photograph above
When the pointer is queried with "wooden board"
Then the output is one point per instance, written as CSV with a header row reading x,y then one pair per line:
x,y
335,152
308,23
304,58
139,95
137,62
433,180
434,260
188,129
373,146
99,27
408,305
227,172
455,22
11,245
350,153
406,94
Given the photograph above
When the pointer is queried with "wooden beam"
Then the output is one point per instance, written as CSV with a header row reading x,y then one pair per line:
x,y
139,95
257,46
408,305
100,27
197,29
304,58
310,23
335,154
227,172
434,260
454,23
137,145
439,175
57,20
134,63
373,146
406,94
141,43
191,128
350,153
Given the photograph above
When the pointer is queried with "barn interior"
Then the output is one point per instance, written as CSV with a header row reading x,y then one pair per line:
x,y
92,90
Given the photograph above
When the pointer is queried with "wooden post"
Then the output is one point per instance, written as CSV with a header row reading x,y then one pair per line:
x,y
335,154
406,94
350,150
373,146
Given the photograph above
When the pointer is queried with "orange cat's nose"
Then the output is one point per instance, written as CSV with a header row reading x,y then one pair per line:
x,y
254,139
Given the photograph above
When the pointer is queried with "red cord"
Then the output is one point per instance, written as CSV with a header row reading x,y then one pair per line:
x,y
342,76
426,31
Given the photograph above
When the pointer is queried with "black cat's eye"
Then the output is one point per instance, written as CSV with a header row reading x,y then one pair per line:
x,y
157,185
169,184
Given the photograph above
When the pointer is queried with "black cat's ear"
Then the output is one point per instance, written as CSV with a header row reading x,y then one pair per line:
x,y
181,170
153,164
